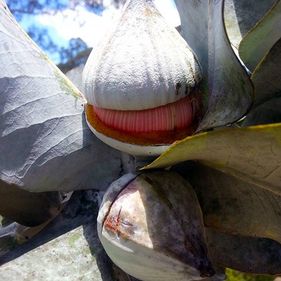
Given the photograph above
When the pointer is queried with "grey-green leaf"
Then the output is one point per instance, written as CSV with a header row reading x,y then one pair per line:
x,y
234,206
243,253
195,31
45,144
242,15
229,92
28,208
266,113
266,77
252,154
258,41
75,75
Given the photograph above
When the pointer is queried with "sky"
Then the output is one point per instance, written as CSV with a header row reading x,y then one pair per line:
x,y
84,24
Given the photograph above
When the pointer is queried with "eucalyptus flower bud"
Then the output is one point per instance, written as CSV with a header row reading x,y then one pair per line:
x,y
151,226
141,83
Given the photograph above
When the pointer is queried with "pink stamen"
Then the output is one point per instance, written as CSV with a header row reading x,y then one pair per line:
x,y
177,115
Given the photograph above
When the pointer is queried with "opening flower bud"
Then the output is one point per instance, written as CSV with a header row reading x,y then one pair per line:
x,y
152,232
141,83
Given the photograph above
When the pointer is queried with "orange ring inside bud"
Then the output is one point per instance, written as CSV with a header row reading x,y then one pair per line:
x,y
161,125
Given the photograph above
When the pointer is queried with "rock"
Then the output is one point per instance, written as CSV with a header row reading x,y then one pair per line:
x,y
67,257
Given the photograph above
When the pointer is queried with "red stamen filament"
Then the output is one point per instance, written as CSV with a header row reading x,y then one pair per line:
x,y
169,117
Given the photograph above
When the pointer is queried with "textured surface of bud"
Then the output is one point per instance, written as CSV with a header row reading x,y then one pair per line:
x,y
141,83
151,226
